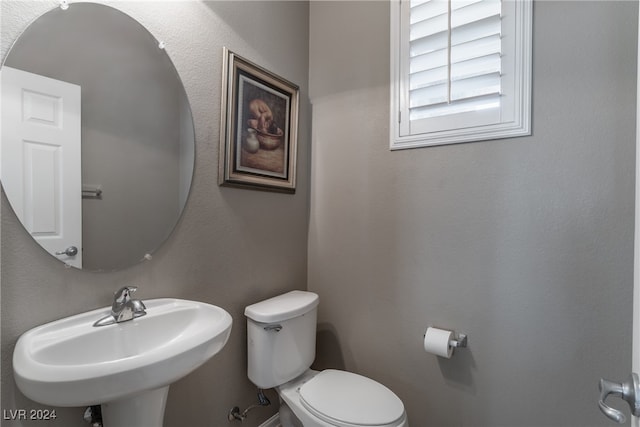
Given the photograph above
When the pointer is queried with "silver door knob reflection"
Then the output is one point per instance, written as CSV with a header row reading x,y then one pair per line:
x,y
70,251
628,390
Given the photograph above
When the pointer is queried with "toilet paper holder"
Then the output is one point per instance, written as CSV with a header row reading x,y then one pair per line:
x,y
459,341
443,342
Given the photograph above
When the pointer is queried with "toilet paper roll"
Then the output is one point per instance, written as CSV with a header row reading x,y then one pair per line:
x,y
436,341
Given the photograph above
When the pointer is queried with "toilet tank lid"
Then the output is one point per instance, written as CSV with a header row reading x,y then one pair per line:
x,y
282,307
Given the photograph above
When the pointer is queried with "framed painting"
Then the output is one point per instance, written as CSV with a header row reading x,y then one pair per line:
x,y
259,125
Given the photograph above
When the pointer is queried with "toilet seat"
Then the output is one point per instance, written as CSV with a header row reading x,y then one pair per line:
x,y
346,399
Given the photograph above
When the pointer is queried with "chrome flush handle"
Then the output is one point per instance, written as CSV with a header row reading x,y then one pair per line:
x,y
628,390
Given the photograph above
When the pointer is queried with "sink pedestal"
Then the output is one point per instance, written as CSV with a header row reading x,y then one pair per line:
x,y
144,409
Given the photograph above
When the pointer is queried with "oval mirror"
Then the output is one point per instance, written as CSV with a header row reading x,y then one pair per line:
x,y
97,137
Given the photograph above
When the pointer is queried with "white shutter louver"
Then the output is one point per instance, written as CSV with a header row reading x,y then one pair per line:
x,y
454,57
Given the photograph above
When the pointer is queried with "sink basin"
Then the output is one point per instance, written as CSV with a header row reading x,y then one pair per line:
x,y
70,362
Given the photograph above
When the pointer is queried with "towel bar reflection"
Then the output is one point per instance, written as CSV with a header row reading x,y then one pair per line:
x,y
91,192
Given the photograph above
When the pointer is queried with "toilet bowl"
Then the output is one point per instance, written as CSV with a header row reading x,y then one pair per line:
x,y
281,347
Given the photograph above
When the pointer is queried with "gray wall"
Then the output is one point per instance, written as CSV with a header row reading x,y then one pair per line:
x,y
525,244
232,247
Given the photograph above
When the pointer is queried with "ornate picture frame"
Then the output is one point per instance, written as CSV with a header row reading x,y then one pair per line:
x,y
259,127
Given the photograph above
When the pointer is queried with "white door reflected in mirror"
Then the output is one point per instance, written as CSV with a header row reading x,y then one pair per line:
x,y
41,159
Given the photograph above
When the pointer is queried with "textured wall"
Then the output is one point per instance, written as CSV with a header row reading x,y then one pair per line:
x,y
231,247
524,244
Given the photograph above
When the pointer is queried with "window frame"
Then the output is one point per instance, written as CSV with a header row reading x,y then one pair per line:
x,y
514,116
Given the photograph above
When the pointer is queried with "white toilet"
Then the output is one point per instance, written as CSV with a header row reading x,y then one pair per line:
x,y
281,338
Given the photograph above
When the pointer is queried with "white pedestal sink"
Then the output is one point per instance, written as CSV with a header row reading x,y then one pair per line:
x,y
125,367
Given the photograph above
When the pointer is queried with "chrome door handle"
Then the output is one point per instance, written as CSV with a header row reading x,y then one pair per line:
x,y
70,251
628,390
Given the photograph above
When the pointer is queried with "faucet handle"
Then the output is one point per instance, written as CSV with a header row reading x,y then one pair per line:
x,y
124,293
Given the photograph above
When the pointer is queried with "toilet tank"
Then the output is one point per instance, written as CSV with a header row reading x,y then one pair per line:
x,y
281,337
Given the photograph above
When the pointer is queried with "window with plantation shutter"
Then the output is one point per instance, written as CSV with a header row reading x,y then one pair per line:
x,y
460,71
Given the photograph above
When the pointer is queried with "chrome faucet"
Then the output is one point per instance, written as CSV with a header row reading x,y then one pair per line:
x,y
123,308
